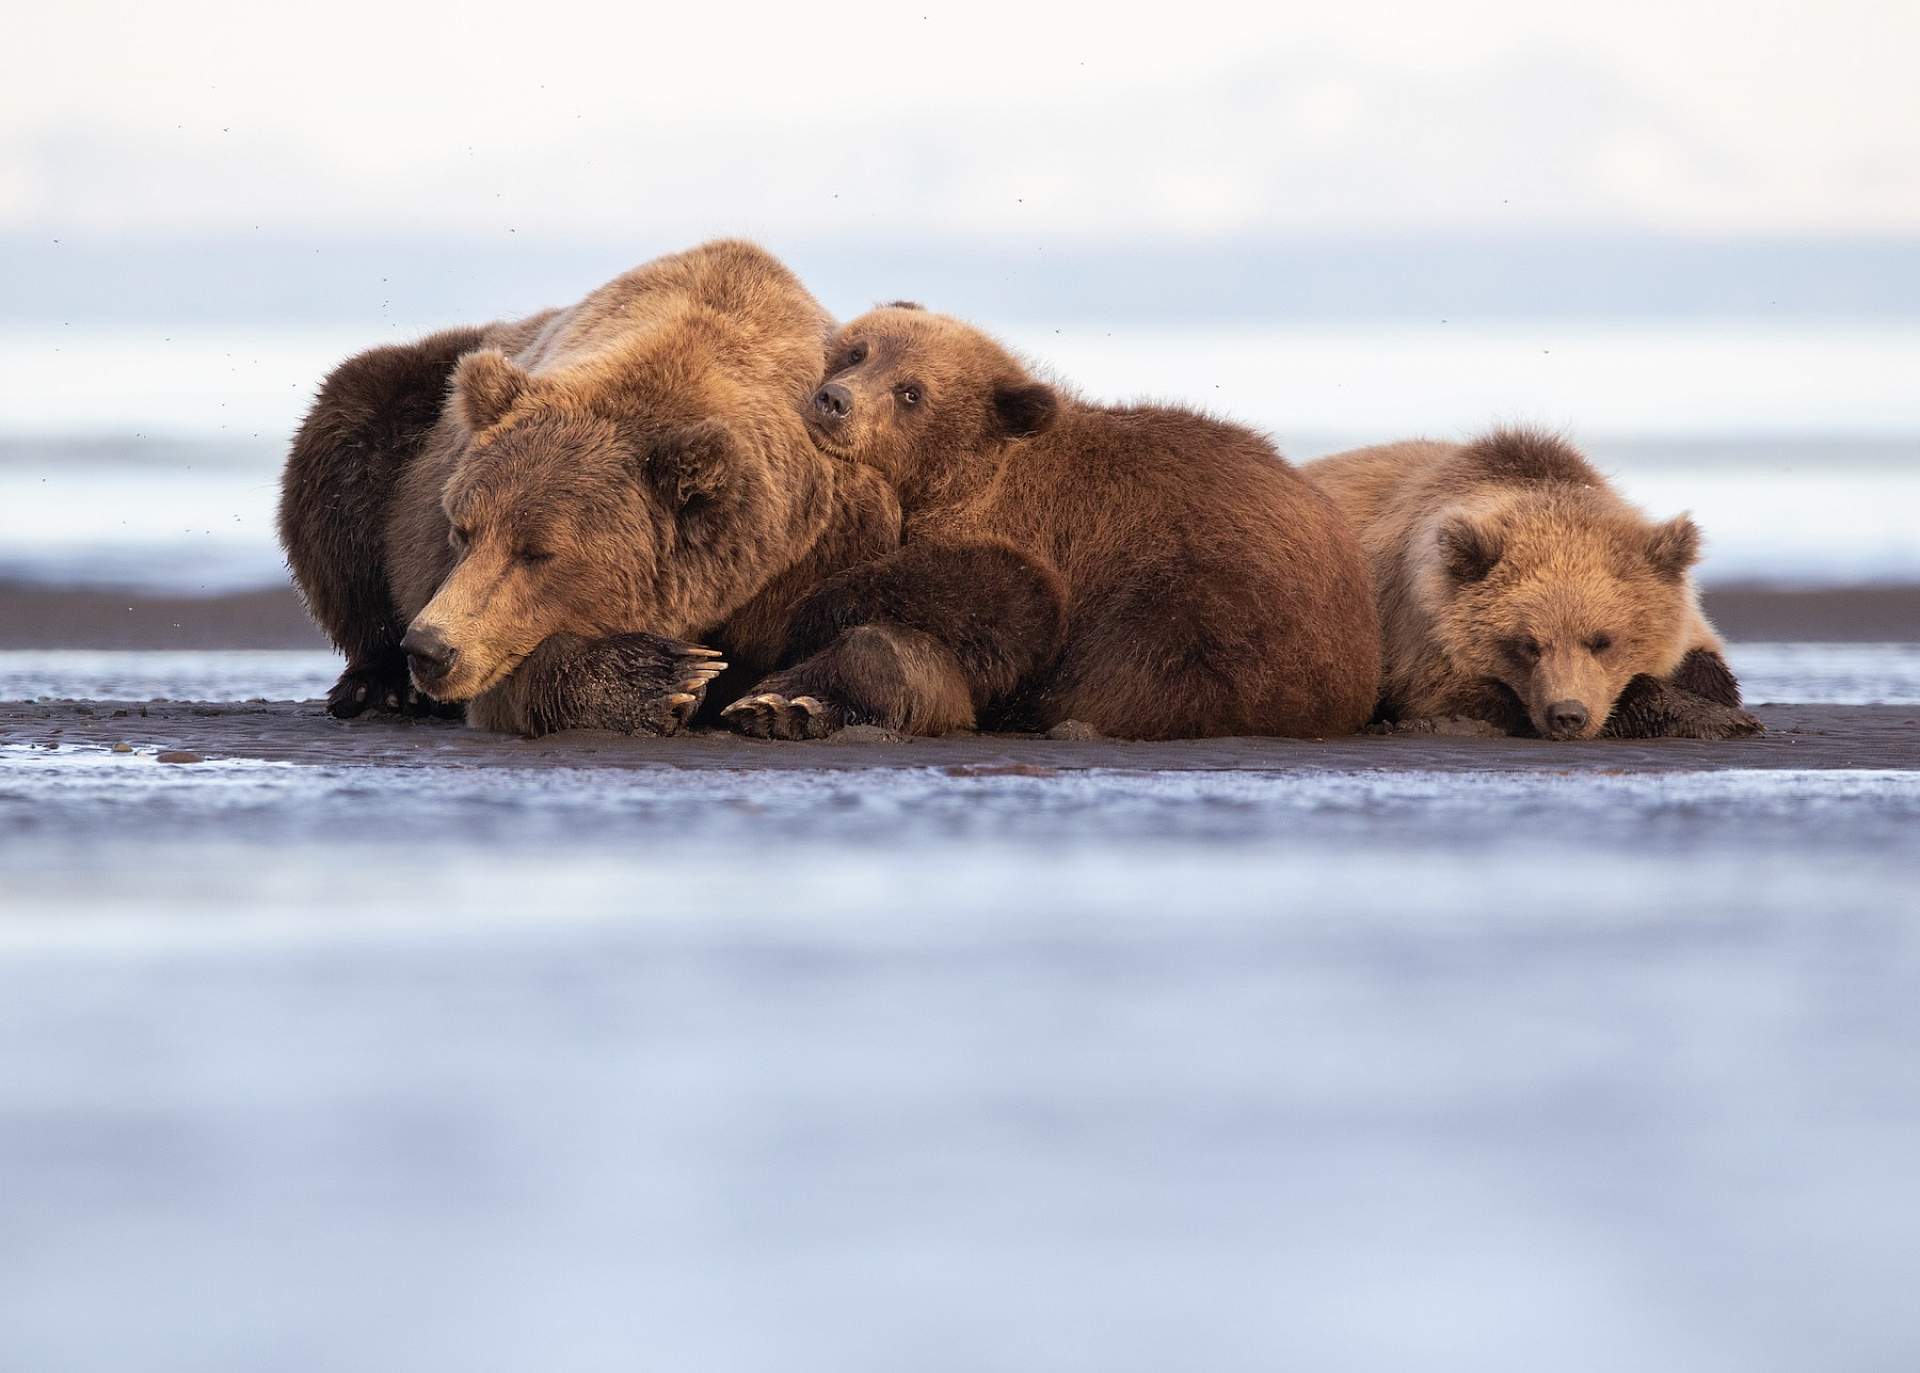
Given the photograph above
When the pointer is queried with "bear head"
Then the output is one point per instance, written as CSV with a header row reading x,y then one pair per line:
x,y
588,507
1563,597
918,396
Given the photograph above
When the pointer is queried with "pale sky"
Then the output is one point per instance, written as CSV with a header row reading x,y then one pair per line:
x,y
995,120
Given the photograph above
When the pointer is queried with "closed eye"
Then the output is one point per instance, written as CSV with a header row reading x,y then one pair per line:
x,y
533,555
1600,643
1525,650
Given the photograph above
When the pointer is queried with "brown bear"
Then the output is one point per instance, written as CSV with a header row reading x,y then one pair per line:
x,y
535,518
1146,570
1517,588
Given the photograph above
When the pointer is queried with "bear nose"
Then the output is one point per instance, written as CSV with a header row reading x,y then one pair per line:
x,y
833,401
429,655
1566,717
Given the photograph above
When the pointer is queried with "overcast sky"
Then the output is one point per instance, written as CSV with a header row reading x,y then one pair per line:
x,y
1001,121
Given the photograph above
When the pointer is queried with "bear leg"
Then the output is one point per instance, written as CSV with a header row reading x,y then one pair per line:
x,y
919,641
1704,673
1655,708
877,674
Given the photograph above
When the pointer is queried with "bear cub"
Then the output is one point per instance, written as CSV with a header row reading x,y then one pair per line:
x,y
1149,571
1516,587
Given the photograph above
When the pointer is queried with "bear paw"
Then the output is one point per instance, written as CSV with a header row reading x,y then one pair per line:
x,y
627,683
772,716
383,687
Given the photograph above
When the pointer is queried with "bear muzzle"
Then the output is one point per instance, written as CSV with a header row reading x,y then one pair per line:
x,y
832,403
429,656
1566,719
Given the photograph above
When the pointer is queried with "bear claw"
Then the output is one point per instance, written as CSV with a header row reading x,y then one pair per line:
x,y
772,716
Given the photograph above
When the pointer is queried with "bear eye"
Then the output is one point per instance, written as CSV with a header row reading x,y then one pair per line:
x,y
909,396
856,354
459,537
533,555
1525,649
1600,643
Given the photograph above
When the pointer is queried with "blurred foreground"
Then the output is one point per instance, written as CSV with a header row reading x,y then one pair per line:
x,y
435,1050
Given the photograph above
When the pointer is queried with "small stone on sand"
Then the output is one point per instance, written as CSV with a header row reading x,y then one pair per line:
x,y
123,747
178,755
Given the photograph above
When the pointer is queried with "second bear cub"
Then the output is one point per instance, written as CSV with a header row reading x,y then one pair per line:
x,y
1146,570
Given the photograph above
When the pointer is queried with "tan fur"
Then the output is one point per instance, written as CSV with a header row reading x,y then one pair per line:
x,y
1482,550
647,441
617,476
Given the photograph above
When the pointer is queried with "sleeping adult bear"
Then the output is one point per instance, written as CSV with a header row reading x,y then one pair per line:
x,y
545,519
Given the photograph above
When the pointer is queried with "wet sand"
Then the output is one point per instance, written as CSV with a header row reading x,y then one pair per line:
x,y
1798,737
35,616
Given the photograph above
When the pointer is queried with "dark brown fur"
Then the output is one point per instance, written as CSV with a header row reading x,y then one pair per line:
x,y
561,504
1149,571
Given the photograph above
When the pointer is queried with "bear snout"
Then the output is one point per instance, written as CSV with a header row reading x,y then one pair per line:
x,y
429,656
833,402
1565,719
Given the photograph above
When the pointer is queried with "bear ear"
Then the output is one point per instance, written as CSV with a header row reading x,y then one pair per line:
x,y
1674,547
1469,550
1022,409
691,463
486,384
902,305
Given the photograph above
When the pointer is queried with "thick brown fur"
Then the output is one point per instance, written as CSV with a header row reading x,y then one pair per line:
x,y
1146,570
1515,586
583,492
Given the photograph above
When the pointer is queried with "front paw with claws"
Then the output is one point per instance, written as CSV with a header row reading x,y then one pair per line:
x,y
770,715
630,683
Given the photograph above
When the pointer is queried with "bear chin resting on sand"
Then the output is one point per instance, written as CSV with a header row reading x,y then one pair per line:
x,y
1146,570
532,518
1517,588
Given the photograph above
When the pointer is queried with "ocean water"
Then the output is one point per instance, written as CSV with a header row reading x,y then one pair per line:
x,y
152,458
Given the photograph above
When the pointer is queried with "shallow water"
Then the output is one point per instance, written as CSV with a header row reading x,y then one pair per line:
x,y
569,1068
1835,674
